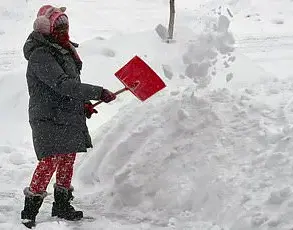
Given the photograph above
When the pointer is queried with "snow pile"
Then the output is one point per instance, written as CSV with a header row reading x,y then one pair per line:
x,y
185,155
170,160
173,157
182,158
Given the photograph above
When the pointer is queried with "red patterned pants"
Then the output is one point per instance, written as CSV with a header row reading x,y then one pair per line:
x,y
61,163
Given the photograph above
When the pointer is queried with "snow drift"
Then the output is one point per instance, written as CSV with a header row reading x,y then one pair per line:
x,y
172,159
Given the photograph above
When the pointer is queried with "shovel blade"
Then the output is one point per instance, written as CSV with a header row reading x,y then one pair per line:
x,y
140,79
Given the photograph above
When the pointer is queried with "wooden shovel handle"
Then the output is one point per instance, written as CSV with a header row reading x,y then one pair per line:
x,y
116,93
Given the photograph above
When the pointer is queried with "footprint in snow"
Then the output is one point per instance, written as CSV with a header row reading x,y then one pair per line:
x,y
277,21
100,38
16,158
5,149
279,196
107,52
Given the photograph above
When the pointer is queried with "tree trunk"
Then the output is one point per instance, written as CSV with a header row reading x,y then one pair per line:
x,y
172,19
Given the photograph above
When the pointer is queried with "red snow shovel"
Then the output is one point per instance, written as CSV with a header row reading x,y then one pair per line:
x,y
139,78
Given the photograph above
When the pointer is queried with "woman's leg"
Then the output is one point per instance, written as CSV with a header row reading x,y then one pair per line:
x,y
43,173
65,170
35,194
63,189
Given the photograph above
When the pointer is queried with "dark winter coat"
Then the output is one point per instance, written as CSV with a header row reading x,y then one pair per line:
x,y
57,96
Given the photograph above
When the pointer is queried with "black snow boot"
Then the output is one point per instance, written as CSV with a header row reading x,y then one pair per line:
x,y
62,207
32,204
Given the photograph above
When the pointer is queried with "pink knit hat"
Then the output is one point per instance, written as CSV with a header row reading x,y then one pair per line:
x,y
50,17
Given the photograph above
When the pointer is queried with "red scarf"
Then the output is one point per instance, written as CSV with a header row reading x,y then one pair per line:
x,y
63,40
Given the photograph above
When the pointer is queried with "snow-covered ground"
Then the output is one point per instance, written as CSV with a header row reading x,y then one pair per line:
x,y
211,151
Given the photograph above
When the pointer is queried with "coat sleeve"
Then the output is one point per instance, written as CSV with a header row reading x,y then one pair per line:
x,y
48,70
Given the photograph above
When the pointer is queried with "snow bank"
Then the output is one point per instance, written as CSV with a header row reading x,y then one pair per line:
x,y
173,157
170,160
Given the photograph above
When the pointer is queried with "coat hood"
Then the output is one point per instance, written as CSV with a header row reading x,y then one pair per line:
x,y
36,40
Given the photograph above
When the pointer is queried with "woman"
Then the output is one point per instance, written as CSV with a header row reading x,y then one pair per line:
x,y
58,107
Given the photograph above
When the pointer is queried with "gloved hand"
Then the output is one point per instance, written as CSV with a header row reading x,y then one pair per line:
x,y
107,96
89,110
